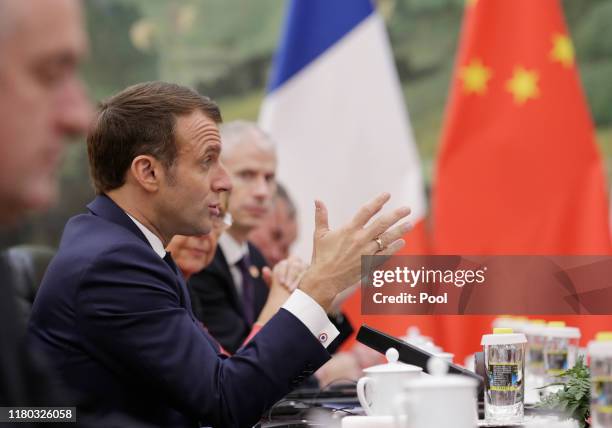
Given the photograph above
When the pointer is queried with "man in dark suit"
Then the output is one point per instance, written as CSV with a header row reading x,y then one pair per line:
x,y
113,314
41,103
230,293
219,303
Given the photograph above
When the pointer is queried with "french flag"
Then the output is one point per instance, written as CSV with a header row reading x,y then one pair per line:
x,y
335,108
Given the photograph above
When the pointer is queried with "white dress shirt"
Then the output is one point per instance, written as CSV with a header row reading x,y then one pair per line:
x,y
300,304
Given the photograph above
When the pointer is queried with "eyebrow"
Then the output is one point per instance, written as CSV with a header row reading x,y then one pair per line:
x,y
213,148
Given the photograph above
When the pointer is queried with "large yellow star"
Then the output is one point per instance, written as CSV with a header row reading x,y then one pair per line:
x,y
563,50
523,85
475,77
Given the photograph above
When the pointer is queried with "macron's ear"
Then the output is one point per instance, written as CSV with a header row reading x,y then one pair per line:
x,y
145,170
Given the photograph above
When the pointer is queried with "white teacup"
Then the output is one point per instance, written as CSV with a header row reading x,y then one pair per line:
x,y
437,401
383,384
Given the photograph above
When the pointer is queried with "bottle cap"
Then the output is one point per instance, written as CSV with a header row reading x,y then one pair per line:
x,y
556,323
503,336
558,329
601,347
604,336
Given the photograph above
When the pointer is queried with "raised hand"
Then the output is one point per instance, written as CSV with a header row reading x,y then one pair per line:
x,y
336,258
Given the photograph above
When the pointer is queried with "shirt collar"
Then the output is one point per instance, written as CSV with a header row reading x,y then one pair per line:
x,y
153,239
232,249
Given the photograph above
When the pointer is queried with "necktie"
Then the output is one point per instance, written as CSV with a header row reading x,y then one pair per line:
x,y
248,297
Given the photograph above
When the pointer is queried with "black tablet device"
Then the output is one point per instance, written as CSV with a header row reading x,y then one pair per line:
x,y
408,353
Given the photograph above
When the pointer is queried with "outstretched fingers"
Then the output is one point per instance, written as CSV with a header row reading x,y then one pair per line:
x,y
391,241
369,210
385,222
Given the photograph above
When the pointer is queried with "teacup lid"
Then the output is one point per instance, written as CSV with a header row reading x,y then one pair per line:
x,y
393,365
438,369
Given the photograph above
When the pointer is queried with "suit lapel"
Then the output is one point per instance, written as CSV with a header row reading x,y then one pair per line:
x,y
105,207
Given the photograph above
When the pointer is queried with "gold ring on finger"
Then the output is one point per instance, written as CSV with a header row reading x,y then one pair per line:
x,y
380,244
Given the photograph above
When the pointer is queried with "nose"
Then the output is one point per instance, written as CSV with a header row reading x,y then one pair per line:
x,y
74,112
221,182
276,255
262,188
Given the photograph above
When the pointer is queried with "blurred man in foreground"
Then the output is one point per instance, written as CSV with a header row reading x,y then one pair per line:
x,y
41,103
113,314
42,100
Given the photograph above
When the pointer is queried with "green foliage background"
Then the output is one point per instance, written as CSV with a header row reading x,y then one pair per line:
x,y
225,47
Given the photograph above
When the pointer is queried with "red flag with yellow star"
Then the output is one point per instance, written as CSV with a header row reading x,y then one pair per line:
x,y
518,170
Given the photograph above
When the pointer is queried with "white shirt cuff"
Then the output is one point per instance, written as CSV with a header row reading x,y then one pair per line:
x,y
312,315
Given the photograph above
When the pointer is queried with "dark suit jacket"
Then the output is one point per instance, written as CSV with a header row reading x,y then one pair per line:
x,y
116,322
218,305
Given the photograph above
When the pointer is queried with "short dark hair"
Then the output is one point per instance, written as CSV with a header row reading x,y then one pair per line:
x,y
137,121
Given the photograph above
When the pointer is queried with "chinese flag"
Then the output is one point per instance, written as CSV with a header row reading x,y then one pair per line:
x,y
518,170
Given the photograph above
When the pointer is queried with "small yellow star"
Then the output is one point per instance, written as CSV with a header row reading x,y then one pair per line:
x,y
563,50
523,85
470,3
475,77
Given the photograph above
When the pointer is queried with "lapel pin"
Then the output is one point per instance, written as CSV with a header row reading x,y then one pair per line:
x,y
254,271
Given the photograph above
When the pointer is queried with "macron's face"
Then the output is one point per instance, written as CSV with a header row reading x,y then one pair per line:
x,y
191,194
42,100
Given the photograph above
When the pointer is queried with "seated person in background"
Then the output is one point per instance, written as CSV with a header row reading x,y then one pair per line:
x,y
230,293
274,237
193,253
278,230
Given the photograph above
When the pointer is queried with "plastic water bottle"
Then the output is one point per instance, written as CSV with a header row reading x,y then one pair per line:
x,y
504,355
535,374
560,349
600,352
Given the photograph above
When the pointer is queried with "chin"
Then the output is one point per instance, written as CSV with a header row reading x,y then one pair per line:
x,y
252,222
203,230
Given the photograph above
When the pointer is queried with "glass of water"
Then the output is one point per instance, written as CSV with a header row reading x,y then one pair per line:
x,y
504,355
